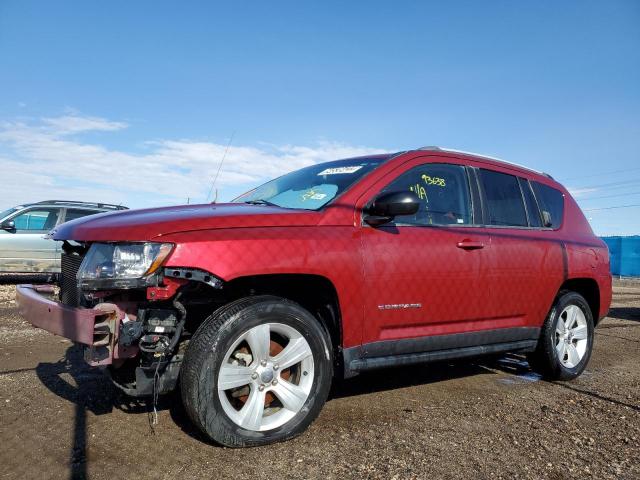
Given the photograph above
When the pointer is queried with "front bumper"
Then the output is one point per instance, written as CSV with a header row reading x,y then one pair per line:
x,y
97,328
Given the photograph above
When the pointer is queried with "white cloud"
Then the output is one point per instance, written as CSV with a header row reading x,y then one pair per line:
x,y
47,158
70,124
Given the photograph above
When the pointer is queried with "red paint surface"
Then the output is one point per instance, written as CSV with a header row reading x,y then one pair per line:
x,y
511,281
72,323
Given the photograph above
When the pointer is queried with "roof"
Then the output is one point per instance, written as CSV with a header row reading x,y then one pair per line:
x,y
74,203
487,157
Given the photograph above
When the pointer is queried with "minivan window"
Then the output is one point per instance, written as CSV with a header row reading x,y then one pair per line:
x,y
504,199
551,201
443,191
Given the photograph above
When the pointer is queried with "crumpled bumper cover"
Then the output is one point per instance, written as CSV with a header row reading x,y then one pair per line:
x,y
97,327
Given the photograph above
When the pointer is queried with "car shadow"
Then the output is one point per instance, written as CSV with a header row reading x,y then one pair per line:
x,y
625,313
90,390
71,379
401,377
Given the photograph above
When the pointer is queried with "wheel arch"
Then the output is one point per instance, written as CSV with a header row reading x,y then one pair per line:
x,y
315,293
589,289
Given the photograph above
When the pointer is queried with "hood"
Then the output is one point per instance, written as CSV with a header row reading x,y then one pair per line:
x,y
149,224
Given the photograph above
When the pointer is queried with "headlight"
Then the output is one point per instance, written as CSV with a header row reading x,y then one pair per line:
x,y
122,265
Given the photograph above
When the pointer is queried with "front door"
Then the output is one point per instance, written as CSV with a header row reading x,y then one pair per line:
x,y
24,248
425,273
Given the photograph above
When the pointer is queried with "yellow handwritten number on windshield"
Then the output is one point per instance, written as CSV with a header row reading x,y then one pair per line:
x,y
435,181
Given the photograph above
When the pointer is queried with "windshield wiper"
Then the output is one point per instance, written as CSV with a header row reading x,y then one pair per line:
x,y
261,202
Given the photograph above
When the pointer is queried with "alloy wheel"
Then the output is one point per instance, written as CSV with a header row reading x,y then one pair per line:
x,y
571,336
266,376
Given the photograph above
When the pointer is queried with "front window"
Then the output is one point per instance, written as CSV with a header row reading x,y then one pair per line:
x,y
443,193
311,188
37,219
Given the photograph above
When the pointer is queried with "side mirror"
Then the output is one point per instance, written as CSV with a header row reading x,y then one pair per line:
x,y
388,205
8,225
546,219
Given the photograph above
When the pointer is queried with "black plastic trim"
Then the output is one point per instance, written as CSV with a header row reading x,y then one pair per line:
x,y
565,262
194,274
362,364
476,202
437,347
445,342
168,373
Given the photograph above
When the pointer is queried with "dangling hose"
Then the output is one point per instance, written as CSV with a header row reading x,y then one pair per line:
x,y
179,327
167,351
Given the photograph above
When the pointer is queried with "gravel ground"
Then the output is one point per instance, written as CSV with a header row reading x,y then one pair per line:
x,y
483,419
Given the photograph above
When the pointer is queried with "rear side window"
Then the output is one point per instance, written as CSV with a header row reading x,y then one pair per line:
x,y
551,202
72,214
504,199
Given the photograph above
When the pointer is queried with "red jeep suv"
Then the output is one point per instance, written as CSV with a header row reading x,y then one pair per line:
x,y
252,307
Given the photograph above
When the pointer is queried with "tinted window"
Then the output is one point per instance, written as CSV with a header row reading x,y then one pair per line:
x,y
504,199
72,214
39,219
443,191
551,201
532,208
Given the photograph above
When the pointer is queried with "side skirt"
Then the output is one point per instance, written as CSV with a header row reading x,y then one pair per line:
x,y
457,346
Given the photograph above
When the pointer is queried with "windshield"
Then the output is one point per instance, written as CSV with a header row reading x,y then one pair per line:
x,y
8,212
311,188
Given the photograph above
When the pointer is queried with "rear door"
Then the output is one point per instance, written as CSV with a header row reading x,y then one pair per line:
x,y
425,273
525,261
25,249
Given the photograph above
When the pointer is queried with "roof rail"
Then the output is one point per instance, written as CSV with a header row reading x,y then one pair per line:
x,y
108,206
452,150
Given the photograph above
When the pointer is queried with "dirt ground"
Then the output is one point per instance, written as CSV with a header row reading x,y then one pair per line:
x,y
482,419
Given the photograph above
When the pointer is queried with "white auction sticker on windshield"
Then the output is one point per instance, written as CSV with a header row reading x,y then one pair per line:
x,y
338,170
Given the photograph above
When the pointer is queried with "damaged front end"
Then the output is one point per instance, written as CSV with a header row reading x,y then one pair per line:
x,y
124,306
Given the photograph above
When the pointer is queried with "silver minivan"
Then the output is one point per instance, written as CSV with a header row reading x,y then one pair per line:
x,y
23,246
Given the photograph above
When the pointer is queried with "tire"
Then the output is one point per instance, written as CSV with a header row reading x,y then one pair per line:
x,y
229,350
561,353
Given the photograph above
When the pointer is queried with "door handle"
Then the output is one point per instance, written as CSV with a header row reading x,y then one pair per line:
x,y
470,245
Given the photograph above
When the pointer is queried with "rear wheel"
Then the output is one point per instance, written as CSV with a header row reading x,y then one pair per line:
x,y
566,339
257,371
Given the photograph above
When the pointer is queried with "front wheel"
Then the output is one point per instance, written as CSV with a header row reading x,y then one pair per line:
x,y
566,339
257,371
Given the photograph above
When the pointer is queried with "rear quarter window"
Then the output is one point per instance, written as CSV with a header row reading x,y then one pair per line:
x,y
551,202
530,201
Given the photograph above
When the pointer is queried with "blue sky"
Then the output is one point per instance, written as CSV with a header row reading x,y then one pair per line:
x,y
135,102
